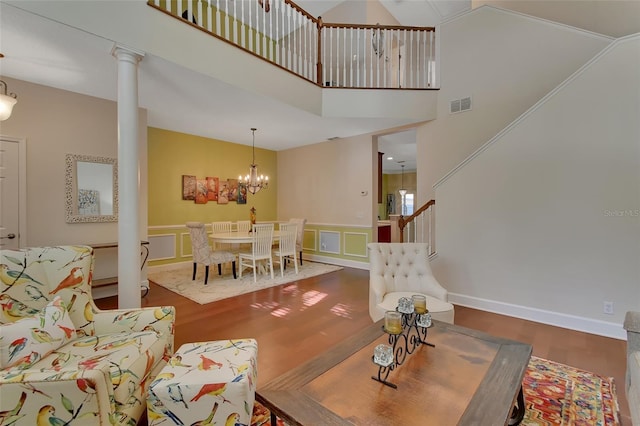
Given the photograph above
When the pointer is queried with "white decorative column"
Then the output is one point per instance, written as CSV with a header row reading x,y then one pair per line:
x,y
129,295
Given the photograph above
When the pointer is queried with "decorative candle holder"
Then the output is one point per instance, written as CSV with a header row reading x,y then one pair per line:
x,y
405,305
419,303
407,331
393,322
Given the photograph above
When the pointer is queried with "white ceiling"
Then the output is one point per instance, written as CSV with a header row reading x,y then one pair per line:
x,y
46,52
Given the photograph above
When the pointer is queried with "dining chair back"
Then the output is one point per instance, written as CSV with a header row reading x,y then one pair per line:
x,y
202,252
243,225
218,227
300,234
262,240
287,247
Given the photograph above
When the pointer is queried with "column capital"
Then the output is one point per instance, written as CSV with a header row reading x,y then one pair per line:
x,y
122,52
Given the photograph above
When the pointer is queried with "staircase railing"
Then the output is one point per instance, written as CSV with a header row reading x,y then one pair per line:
x,y
419,227
329,55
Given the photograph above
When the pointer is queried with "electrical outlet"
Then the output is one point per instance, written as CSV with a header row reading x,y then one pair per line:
x,y
607,307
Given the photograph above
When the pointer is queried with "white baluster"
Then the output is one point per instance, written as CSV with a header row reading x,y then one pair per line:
x,y
227,19
360,54
218,23
179,6
291,37
209,17
264,34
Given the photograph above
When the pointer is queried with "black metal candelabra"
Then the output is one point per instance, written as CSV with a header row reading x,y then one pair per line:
x,y
413,334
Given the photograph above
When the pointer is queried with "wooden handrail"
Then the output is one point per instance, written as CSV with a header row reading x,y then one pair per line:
x,y
402,222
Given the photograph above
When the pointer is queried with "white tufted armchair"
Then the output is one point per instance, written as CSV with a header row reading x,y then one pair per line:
x,y
402,270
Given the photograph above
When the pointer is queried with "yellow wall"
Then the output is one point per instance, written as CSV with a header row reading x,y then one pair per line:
x,y
173,154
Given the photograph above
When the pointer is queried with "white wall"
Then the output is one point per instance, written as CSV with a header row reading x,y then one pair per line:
x,y
323,182
615,18
545,223
55,123
506,62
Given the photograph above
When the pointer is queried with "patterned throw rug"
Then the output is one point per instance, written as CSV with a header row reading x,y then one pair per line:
x,y
178,279
557,394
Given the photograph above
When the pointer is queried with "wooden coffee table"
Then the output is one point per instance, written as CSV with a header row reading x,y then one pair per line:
x,y
468,378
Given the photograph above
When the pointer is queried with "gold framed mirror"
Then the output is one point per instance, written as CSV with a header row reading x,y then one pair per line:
x,y
91,189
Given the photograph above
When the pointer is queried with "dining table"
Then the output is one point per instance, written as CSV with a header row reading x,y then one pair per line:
x,y
236,237
240,237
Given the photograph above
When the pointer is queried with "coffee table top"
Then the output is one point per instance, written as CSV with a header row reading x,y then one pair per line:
x,y
469,377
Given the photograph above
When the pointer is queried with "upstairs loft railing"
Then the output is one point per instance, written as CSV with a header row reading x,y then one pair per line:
x,y
329,55
419,227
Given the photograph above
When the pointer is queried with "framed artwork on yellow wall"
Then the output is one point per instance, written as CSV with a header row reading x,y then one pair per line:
x,y
201,191
188,187
223,193
212,188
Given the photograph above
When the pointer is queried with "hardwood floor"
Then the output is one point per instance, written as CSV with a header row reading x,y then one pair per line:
x,y
294,322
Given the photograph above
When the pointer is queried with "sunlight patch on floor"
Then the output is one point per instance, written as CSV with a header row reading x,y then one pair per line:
x,y
341,310
312,297
281,312
266,305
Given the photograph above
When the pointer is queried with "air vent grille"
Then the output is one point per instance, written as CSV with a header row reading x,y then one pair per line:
x,y
460,105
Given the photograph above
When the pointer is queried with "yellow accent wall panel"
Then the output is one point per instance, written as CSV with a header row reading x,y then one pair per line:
x,y
355,244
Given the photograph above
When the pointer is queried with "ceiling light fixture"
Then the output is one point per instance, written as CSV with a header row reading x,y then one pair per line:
x,y
7,100
402,192
253,182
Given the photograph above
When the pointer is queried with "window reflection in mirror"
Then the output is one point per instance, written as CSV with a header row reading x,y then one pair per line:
x,y
91,189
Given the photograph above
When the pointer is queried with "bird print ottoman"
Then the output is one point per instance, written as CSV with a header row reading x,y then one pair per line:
x,y
206,383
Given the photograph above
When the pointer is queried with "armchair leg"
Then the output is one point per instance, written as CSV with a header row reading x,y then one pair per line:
x,y
194,271
206,274
219,269
300,257
233,266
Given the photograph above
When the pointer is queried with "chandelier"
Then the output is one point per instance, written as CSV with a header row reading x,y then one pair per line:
x,y
252,181
7,101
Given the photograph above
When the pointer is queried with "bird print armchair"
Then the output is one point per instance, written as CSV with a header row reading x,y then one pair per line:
x,y
63,360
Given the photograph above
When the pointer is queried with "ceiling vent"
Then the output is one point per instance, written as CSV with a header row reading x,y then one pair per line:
x,y
460,105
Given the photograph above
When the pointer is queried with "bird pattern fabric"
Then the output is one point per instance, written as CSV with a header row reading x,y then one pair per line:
x,y
103,361
30,339
206,383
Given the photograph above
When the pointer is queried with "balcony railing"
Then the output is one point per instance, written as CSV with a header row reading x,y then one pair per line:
x,y
330,55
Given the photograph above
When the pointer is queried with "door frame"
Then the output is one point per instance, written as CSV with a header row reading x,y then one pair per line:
x,y
22,187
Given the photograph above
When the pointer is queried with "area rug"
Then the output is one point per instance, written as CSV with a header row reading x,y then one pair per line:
x,y
557,394
178,280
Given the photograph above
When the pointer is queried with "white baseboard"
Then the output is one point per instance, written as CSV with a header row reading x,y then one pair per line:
x,y
572,322
112,290
336,261
161,268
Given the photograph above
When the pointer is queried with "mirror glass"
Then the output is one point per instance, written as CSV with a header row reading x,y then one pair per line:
x,y
91,189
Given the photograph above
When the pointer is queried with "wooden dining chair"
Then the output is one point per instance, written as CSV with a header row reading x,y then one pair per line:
x,y
218,227
287,248
262,239
300,234
243,225
202,252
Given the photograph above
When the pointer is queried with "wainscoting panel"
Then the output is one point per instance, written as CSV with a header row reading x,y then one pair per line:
x,y
162,246
329,242
310,240
185,245
355,244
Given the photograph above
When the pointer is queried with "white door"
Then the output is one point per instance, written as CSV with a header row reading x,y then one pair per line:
x,y
10,196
